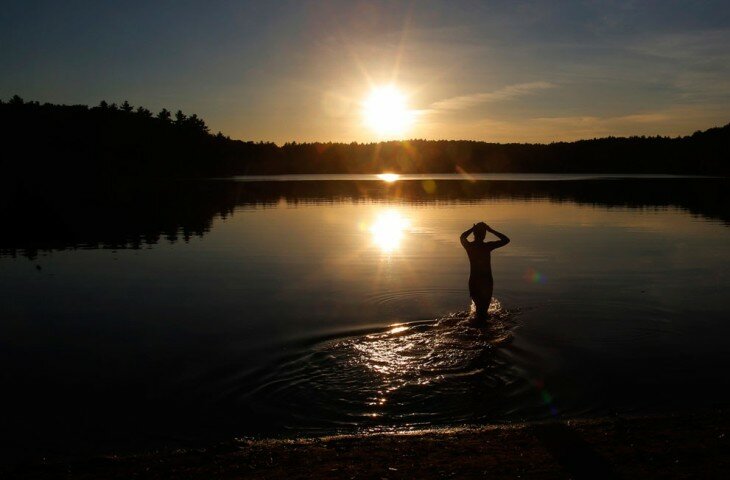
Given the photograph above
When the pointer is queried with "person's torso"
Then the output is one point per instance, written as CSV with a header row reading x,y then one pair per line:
x,y
480,260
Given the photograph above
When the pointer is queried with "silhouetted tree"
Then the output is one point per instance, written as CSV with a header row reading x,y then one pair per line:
x,y
180,118
105,141
144,112
197,124
126,107
164,115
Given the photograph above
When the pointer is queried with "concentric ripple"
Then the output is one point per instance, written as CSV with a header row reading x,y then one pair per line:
x,y
412,375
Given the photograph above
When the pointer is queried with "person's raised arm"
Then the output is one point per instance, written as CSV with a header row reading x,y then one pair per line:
x,y
463,236
503,239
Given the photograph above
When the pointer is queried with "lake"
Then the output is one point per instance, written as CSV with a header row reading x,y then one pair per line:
x,y
177,314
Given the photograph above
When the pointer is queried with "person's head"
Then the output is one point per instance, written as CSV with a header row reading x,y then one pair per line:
x,y
480,231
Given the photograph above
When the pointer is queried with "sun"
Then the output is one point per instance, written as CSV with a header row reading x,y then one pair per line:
x,y
386,112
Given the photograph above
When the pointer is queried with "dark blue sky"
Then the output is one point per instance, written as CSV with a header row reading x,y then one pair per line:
x,y
299,70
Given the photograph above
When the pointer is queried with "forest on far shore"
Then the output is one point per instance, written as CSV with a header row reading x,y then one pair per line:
x,y
121,141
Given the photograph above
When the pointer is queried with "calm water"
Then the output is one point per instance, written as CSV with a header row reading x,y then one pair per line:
x,y
197,312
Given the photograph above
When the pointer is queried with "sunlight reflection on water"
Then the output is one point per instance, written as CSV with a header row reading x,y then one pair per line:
x,y
389,177
323,306
389,229
411,370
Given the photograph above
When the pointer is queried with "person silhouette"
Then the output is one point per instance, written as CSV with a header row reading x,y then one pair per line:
x,y
481,283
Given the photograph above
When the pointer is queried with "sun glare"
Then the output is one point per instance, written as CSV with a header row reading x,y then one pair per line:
x,y
388,177
389,229
386,111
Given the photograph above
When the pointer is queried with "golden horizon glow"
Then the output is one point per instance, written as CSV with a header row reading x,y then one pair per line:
x,y
386,112
389,177
389,229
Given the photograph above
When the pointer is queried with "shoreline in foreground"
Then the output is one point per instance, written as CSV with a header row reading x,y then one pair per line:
x,y
669,446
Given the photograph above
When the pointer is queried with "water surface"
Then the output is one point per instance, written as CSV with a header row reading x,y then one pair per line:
x,y
207,310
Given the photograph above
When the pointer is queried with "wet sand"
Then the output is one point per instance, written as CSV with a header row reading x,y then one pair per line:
x,y
673,446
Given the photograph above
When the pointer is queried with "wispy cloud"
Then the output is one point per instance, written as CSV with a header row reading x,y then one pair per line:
x,y
677,120
703,46
506,93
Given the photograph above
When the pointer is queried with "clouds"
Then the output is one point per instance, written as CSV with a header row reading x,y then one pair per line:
x,y
670,121
709,44
506,93
284,71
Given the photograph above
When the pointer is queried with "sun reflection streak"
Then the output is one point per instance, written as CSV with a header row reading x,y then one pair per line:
x,y
389,229
389,177
397,329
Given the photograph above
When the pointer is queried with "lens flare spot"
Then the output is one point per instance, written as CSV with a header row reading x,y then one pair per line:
x,y
533,276
429,186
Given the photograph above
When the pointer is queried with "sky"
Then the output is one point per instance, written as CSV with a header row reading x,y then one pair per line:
x,y
499,71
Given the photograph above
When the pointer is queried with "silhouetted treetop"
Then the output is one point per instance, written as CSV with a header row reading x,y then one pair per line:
x,y
144,112
164,115
107,141
180,118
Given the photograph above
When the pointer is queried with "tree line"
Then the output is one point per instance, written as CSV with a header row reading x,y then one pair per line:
x,y
120,141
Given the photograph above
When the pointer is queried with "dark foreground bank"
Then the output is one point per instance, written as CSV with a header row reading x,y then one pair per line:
x,y
677,446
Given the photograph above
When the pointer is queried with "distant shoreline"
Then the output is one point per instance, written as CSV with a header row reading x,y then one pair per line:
x,y
506,176
110,142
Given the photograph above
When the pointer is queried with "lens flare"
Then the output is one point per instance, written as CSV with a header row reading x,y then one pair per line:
x,y
533,276
547,399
